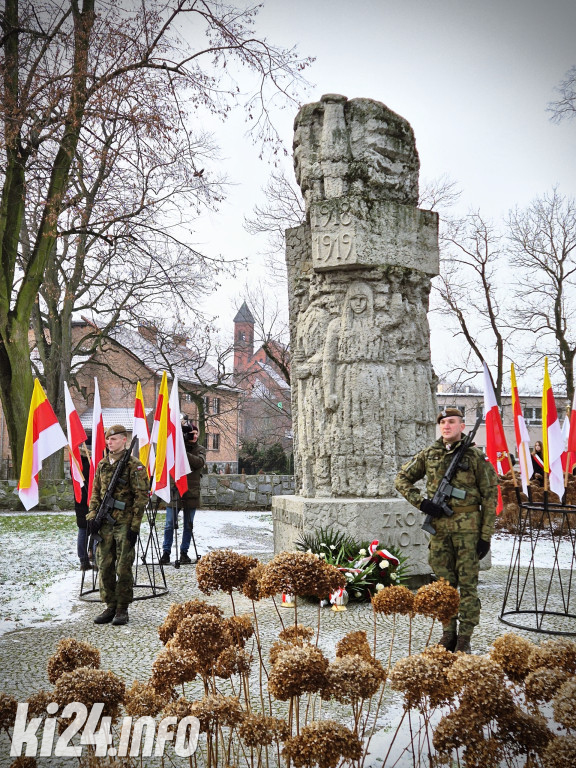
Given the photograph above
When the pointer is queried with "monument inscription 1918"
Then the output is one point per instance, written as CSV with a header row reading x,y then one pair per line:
x,y
359,270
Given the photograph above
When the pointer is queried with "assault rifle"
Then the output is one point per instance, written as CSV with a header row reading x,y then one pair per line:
x,y
445,489
104,514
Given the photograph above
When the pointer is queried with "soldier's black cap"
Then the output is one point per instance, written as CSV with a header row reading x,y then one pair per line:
x,y
449,412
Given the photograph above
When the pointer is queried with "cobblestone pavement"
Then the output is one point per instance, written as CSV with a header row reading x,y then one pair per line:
x,y
129,651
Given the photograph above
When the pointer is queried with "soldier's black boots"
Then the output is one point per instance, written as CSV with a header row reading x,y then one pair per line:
x,y
448,641
463,644
106,616
184,559
165,559
121,616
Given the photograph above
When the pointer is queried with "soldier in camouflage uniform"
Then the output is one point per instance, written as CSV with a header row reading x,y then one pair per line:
x,y
115,553
463,539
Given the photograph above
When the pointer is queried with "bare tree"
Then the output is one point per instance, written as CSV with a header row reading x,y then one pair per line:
x,y
543,252
62,63
284,208
564,107
472,295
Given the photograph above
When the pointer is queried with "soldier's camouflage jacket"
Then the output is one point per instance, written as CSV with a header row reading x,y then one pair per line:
x,y
476,512
132,489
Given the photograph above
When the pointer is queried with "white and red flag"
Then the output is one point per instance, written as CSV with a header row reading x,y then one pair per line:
x,y
164,446
44,436
98,437
181,466
571,449
522,436
76,436
552,440
496,446
140,428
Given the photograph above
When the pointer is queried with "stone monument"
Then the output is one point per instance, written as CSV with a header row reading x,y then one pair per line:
x,y
359,270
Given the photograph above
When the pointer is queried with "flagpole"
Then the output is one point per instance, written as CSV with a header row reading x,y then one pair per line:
x,y
567,451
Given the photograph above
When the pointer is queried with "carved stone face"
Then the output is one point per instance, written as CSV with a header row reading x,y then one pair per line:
x,y
358,303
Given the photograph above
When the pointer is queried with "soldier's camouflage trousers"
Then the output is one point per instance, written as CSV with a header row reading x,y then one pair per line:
x,y
115,557
453,557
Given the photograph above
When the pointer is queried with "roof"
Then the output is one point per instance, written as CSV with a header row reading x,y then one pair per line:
x,y
111,416
274,375
244,315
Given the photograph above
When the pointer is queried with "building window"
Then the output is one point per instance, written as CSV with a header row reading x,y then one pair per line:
x,y
480,412
216,441
205,441
215,405
187,397
241,336
533,414
206,405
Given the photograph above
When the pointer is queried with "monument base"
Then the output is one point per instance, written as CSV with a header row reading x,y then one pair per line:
x,y
394,522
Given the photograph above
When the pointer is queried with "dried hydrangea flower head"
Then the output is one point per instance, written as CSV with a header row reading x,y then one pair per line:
x,y
560,752
24,762
438,600
71,654
513,654
422,678
564,704
239,628
351,678
223,570
323,743
543,684
251,587
354,644
179,611
522,733
8,709
481,686
203,635
38,702
555,652
90,686
215,710
296,634
232,661
173,666
394,599
261,730
180,708
142,699
299,573
297,670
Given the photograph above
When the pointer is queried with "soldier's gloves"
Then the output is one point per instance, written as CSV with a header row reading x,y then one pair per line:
x,y
482,548
429,508
132,537
90,526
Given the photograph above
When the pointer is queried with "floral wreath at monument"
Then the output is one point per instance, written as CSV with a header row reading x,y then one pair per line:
x,y
367,566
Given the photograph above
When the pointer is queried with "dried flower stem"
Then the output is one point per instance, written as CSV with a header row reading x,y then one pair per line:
x,y
278,612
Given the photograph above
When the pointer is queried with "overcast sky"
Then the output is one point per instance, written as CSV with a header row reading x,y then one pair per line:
x,y
473,79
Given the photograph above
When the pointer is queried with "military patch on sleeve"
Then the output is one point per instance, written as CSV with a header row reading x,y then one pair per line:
x,y
139,468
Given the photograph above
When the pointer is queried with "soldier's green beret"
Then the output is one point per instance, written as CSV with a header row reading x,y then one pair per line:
x,y
449,412
116,429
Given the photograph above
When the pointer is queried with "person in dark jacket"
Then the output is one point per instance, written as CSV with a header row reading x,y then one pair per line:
x,y
189,501
81,510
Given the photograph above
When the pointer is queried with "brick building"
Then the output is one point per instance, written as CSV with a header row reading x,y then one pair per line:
x,y
265,406
129,356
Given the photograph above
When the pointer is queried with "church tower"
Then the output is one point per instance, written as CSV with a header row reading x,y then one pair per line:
x,y
243,338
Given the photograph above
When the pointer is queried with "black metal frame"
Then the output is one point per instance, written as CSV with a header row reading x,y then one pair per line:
x,y
535,523
147,558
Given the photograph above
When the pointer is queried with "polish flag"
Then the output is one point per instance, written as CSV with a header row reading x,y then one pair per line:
x,y
496,446
44,436
98,438
552,440
76,436
180,467
522,436
164,446
140,428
